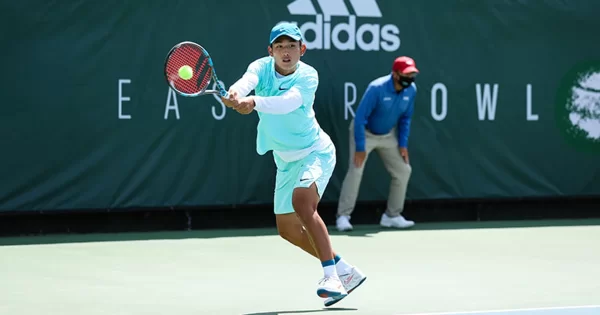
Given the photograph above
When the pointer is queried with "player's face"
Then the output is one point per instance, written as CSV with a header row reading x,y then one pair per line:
x,y
287,53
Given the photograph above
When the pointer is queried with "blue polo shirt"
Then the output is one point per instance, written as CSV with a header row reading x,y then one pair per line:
x,y
382,108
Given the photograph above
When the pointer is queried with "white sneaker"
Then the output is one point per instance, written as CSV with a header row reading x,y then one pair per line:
x,y
343,223
398,222
331,287
351,281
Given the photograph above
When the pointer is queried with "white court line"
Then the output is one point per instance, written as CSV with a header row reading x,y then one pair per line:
x,y
514,310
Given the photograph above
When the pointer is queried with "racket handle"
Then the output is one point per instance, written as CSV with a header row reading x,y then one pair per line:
x,y
220,92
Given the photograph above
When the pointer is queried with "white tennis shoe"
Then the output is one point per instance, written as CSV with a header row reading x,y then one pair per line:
x,y
331,287
350,281
398,222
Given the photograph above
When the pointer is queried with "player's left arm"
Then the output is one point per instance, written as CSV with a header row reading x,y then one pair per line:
x,y
302,92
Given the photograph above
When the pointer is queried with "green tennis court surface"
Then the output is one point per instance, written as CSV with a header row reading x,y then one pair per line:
x,y
515,268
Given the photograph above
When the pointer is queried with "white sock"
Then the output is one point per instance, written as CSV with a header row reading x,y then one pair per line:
x,y
330,271
342,267
329,268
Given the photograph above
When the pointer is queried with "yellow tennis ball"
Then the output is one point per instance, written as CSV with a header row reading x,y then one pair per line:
x,y
186,72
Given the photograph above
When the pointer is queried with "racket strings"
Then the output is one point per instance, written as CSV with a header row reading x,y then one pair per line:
x,y
192,56
207,74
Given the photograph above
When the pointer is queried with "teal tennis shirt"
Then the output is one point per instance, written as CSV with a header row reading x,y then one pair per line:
x,y
296,130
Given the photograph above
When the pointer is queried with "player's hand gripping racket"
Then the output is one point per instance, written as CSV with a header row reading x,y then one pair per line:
x,y
189,70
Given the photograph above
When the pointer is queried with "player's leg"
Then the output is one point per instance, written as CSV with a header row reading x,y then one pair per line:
x,y
400,173
290,228
321,169
314,172
289,225
305,201
313,176
351,183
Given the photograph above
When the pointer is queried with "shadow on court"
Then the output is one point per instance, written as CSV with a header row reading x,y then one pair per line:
x,y
359,231
302,312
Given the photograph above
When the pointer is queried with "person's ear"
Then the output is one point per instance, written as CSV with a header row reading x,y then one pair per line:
x,y
270,50
302,49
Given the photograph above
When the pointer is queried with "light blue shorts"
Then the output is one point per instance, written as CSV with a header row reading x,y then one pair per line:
x,y
317,168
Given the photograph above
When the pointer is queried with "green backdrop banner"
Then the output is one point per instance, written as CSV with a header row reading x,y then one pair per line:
x,y
508,100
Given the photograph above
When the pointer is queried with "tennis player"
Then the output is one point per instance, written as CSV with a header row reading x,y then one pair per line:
x,y
304,154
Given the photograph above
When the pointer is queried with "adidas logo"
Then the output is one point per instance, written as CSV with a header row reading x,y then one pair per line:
x,y
345,34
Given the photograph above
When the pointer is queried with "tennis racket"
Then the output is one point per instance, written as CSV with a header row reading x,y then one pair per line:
x,y
195,56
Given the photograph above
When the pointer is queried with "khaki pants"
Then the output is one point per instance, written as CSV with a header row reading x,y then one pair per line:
x,y
387,148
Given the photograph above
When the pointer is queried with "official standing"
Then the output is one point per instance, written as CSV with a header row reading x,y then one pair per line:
x,y
382,123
